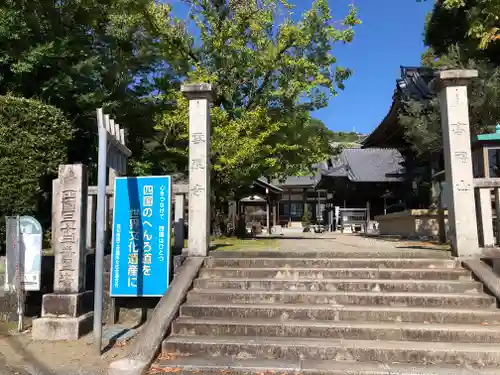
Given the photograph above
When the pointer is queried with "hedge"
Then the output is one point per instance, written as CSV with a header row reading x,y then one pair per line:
x,y
33,142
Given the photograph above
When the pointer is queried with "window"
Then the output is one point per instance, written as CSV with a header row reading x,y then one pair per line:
x,y
284,209
494,162
297,209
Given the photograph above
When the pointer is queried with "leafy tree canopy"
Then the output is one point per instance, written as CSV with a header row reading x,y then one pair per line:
x,y
459,34
80,55
472,25
33,140
422,120
482,18
270,70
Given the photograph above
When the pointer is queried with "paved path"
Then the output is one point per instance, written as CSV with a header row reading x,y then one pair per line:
x,y
338,241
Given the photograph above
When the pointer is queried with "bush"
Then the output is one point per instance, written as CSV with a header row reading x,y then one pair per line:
x,y
33,142
306,217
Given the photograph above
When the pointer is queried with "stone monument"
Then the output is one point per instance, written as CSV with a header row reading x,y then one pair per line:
x,y
67,313
200,95
458,160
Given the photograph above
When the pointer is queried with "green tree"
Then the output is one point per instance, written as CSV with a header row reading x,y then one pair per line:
x,y
80,55
483,19
470,25
33,140
454,41
422,121
271,72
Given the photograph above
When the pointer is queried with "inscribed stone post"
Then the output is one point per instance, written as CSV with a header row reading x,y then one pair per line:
x,y
66,314
70,248
458,160
200,96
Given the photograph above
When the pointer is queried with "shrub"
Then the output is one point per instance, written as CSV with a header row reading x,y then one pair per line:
x,y
306,217
33,142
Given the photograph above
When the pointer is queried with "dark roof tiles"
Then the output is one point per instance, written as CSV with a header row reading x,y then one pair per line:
x,y
368,165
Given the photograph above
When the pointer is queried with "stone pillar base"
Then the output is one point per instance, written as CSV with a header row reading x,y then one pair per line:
x,y
62,328
64,317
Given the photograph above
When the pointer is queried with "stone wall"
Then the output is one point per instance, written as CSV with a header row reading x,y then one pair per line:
x,y
413,224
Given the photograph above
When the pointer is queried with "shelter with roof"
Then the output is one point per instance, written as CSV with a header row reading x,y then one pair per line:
x,y
414,83
300,192
373,177
380,172
262,197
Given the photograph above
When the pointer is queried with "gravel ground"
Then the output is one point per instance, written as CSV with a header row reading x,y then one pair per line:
x,y
20,355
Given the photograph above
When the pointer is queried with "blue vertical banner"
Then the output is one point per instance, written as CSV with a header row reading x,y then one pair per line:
x,y
141,236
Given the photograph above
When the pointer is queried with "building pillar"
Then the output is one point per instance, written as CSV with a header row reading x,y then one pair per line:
x,y
199,95
275,212
458,160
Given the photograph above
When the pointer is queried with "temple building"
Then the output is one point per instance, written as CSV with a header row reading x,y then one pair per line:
x,y
378,174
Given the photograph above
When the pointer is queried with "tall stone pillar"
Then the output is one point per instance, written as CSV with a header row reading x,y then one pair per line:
x,y
200,95
67,313
458,160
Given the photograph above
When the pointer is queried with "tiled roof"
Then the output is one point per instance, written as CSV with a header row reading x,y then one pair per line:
x,y
263,181
298,181
367,165
414,83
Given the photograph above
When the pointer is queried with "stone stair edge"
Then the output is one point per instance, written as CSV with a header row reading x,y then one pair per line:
x,y
340,280
331,254
347,257
479,354
386,263
337,307
303,269
379,285
321,342
223,365
340,323
364,298
344,330
333,294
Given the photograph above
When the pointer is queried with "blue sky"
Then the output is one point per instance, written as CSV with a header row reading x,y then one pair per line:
x,y
390,36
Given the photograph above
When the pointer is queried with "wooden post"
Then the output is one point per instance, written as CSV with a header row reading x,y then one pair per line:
x,y
179,223
497,212
485,222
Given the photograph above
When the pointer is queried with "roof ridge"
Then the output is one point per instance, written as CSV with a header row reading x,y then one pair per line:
x,y
372,149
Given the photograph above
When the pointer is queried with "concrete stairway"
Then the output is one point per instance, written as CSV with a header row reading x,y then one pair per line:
x,y
412,312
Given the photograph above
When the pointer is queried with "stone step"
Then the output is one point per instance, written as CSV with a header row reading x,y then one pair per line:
x,y
338,273
355,253
328,349
342,313
456,300
343,285
224,365
331,263
456,333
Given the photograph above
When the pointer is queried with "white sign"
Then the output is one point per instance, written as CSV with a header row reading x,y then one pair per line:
x,y
24,251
